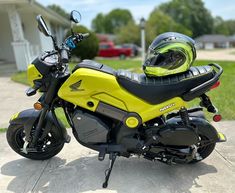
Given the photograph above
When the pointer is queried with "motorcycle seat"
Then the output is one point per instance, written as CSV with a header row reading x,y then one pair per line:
x,y
155,90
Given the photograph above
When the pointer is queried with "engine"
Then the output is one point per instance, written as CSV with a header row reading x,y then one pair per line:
x,y
90,129
171,142
172,134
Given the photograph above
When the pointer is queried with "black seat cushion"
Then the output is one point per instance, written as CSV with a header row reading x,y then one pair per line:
x,y
159,89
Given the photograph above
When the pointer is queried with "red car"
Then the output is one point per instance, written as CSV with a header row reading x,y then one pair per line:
x,y
108,49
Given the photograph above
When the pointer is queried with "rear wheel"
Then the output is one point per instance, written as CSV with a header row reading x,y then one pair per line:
x,y
203,149
49,147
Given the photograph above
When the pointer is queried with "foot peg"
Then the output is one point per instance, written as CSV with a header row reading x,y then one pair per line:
x,y
68,139
112,158
101,155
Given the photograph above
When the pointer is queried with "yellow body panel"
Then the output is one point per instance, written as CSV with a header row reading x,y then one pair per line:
x,y
221,136
96,86
132,122
33,74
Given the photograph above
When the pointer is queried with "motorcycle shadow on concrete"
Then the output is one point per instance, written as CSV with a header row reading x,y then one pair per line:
x,y
86,174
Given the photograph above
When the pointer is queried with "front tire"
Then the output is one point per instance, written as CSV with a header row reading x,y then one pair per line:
x,y
49,147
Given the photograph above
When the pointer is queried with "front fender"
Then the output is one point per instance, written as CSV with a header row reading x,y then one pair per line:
x,y
28,119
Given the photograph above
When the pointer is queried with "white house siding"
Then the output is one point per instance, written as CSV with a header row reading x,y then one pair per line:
x,y
59,31
6,50
20,39
209,46
46,42
31,33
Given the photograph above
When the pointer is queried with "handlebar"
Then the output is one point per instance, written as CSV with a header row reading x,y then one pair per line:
x,y
79,37
86,35
69,44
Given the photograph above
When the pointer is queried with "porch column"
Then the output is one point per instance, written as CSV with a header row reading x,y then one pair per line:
x,y
19,44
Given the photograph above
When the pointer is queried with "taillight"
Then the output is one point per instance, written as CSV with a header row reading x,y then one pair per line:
x,y
217,118
216,85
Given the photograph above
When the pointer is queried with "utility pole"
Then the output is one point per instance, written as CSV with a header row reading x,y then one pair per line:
x,y
142,31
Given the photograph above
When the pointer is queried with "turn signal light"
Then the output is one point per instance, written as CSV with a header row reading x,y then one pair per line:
x,y
216,85
217,118
38,106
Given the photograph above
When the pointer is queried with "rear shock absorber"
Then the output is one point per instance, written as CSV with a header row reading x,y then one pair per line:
x,y
184,116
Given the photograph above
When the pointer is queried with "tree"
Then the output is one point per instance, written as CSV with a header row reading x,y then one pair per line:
x,y
59,10
225,27
190,13
112,21
220,26
98,23
129,34
159,22
231,26
88,48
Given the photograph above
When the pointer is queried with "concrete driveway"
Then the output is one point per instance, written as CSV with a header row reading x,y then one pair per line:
x,y
12,95
76,169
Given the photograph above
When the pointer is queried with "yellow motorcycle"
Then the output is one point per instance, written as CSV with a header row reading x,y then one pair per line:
x,y
119,113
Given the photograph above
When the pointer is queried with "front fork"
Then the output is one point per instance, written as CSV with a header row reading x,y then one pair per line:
x,y
39,126
31,142
46,101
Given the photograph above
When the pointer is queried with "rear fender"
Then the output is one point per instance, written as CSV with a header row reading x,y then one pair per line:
x,y
204,128
28,118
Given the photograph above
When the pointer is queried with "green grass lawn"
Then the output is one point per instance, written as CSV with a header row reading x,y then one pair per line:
x,y
222,97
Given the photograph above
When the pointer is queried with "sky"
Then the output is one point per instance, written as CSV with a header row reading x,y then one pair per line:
x,y
139,8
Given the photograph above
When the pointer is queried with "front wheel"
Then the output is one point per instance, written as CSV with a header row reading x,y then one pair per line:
x,y
49,147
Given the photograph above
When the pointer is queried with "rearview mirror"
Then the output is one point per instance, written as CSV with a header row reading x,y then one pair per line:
x,y
42,26
75,16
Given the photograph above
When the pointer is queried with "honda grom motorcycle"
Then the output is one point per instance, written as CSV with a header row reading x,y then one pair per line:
x,y
119,113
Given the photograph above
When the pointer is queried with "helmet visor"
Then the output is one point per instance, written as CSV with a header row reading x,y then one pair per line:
x,y
169,60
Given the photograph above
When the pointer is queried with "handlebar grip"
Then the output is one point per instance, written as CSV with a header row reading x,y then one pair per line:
x,y
85,35
64,56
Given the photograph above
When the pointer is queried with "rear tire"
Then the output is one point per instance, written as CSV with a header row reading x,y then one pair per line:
x,y
15,138
204,151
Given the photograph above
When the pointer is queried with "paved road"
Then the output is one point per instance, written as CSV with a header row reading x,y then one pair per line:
x,y
76,169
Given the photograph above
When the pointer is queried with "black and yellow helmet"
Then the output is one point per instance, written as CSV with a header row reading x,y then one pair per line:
x,y
169,53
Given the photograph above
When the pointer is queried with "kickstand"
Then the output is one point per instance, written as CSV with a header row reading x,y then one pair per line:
x,y
112,158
